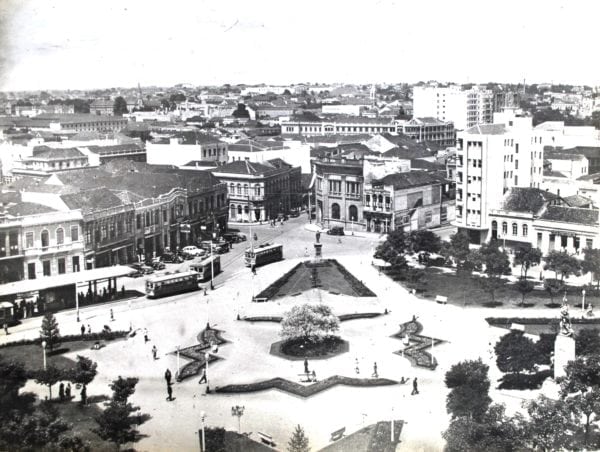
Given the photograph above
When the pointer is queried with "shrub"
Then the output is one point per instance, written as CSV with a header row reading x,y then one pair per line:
x,y
524,381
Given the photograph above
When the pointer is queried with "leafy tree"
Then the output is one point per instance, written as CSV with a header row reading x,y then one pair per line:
x,y
524,287
179,97
515,353
491,285
286,92
392,250
84,371
310,323
298,441
120,106
50,332
241,112
550,425
469,387
424,240
553,287
496,261
587,342
560,262
591,263
459,249
49,377
587,405
12,379
545,348
527,257
495,432
118,421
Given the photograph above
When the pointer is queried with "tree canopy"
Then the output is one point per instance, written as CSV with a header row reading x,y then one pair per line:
x,y
469,387
120,106
527,257
495,260
298,441
312,323
591,263
424,240
516,353
50,331
562,263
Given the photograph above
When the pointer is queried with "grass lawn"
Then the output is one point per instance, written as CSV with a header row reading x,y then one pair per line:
x,y
81,419
464,291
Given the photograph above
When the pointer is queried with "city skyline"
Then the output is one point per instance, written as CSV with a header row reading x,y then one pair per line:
x,y
76,45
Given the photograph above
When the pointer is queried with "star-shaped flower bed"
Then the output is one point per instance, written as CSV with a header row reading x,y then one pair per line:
x,y
207,338
415,351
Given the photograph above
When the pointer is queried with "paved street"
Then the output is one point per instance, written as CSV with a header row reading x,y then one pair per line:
x,y
176,321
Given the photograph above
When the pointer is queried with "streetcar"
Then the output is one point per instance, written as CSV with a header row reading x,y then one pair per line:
x,y
160,286
203,267
263,254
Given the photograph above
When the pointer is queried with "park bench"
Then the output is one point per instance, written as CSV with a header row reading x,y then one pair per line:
x,y
338,434
259,300
266,439
441,299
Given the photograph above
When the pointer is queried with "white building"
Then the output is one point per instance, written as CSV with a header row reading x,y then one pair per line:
x,y
491,159
465,108
344,109
186,148
556,134
293,152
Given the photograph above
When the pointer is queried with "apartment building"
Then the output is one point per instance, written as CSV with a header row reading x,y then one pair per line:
x,y
343,125
491,159
185,147
430,130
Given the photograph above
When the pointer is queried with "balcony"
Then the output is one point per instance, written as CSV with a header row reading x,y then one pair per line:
x,y
353,196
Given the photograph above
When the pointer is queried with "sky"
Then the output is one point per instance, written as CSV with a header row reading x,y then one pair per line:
x,y
82,44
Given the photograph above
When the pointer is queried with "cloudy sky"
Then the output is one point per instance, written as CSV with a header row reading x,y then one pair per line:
x,y
48,44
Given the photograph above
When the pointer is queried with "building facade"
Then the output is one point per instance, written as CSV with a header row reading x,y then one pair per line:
x,y
349,125
180,150
431,130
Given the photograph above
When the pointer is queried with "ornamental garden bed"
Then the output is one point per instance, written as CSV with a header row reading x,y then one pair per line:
x,y
294,388
541,325
298,349
415,351
207,339
342,318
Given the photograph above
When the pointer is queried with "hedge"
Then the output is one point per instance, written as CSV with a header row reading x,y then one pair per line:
x,y
107,336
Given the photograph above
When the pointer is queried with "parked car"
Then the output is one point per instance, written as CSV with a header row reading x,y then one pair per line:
x,y
295,213
171,258
193,251
281,216
336,230
141,269
234,237
219,247
156,264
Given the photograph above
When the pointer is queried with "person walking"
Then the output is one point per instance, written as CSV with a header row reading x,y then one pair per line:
x,y
154,352
6,329
112,315
168,376
61,391
415,387
306,366
146,339
82,329
89,329
169,392
83,395
375,374
68,392
203,377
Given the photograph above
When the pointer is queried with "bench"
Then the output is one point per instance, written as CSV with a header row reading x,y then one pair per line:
x,y
338,434
441,299
266,439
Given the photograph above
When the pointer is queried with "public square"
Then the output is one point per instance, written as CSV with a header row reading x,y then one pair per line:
x,y
177,320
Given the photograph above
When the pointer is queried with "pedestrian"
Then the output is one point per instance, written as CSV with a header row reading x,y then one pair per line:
x,y
203,378
253,268
305,366
414,319
205,292
168,376
82,329
415,387
6,329
89,329
375,374
356,368
169,392
154,352
314,376
68,392
112,316
83,395
61,391
306,251
146,339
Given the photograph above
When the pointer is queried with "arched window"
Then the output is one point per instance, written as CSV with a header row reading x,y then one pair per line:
x,y
525,230
60,236
504,228
233,211
380,199
494,225
245,189
239,189
246,210
335,211
45,239
257,190
239,210
232,189
353,213
514,229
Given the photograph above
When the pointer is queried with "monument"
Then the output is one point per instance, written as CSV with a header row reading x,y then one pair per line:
x,y
564,346
318,246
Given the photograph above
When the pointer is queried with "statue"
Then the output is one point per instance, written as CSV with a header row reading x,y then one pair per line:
x,y
565,321
317,236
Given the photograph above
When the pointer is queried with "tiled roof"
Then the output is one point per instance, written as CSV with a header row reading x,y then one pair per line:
x,y
409,179
525,199
550,173
91,200
246,167
28,208
45,152
426,165
573,215
202,163
577,201
104,150
410,153
487,129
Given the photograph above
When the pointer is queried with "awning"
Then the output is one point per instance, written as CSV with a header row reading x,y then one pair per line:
x,y
48,282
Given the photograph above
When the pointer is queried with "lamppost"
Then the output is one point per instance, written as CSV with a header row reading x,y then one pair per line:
x,y
44,352
202,418
212,267
583,302
239,412
77,302
206,357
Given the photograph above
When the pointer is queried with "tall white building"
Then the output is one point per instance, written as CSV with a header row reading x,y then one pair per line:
x,y
465,108
492,158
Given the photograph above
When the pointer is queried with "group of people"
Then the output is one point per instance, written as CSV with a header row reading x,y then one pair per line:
x,y
64,392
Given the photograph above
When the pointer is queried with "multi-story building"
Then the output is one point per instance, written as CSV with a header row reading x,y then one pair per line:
x,y
104,107
11,247
185,147
429,129
343,125
491,159
408,201
84,123
260,191
465,108
46,161
339,191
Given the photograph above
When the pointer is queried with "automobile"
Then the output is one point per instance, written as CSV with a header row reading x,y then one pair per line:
x,y
220,247
336,230
234,237
171,258
281,217
295,213
156,264
193,251
141,269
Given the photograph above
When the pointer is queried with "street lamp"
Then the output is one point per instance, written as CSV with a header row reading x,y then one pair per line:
x,y
583,302
44,353
239,412
202,417
206,357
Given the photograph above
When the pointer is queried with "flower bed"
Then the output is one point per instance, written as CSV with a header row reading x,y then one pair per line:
x,y
296,349
207,338
415,351
107,336
523,381
304,391
342,318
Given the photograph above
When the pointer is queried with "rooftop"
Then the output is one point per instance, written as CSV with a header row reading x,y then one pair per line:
x,y
47,153
409,179
91,200
573,215
527,199
246,167
487,129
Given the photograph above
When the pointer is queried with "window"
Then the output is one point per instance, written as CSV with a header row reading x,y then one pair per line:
x,y
368,200
239,210
74,233
45,239
353,213
525,230
31,271
335,211
138,221
60,236
61,266
514,229
164,216
75,261
245,189
88,235
29,240
504,228
257,190
46,268
239,189
589,243
516,164
427,217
